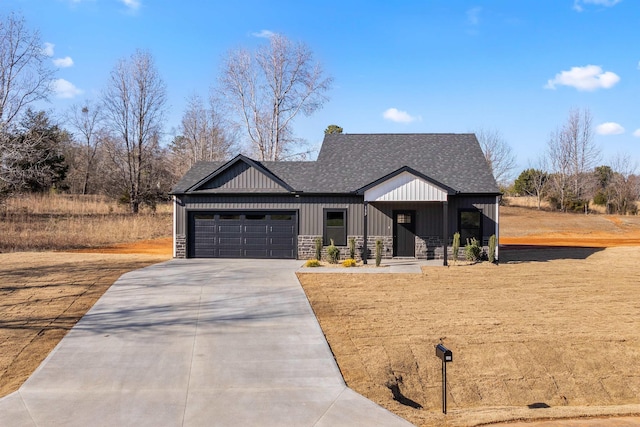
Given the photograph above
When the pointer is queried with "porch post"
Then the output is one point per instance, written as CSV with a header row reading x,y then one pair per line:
x,y
445,230
365,250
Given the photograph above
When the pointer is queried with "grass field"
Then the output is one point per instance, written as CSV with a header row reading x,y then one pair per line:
x,y
37,222
549,326
551,332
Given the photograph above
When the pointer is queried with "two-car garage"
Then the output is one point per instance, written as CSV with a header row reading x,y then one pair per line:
x,y
248,234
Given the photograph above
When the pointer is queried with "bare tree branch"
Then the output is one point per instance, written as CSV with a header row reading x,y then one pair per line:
x,y
134,103
267,91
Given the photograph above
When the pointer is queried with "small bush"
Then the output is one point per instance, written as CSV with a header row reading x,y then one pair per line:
x,y
492,248
318,248
472,250
312,263
333,253
378,252
349,262
352,248
456,246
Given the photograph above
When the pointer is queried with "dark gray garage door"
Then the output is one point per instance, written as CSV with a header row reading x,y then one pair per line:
x,y
242,234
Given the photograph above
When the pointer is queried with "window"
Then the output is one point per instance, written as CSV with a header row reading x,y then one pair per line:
x,y
281,217
335,227
470,225
228,217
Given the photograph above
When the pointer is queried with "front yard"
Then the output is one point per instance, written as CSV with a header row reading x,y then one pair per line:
x,y
556,327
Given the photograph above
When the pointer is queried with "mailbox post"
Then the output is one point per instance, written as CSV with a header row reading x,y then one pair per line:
x,y
444,354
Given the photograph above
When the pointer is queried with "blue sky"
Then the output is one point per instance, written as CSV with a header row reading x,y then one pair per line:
x,y
517,66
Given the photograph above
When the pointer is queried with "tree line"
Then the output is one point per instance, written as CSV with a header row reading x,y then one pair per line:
x,y
570,174
113,144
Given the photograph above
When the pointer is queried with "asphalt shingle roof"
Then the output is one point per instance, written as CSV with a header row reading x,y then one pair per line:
x,y
348,162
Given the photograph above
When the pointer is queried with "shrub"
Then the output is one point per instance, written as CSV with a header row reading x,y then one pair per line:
x,y
492,248
472,250
352,247
318,248
312,263
333,253
456,246
349,262
378,252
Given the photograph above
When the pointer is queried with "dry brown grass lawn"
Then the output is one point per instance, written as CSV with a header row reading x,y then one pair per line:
x,y
558,326
35,222
42,295
550,325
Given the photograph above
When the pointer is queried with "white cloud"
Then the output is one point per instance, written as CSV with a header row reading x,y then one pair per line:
x,y
398,116
266,34
636,133
65,89
578,4
133,5
63,62
589,78
48,49
609,128
473,15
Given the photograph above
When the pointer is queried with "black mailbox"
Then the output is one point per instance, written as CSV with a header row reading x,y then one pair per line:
x,y
444,353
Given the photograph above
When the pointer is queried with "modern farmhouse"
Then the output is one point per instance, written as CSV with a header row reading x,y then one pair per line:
x,y
411,191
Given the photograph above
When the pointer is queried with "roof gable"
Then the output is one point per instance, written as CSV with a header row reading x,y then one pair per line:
x,y
405,186
240,175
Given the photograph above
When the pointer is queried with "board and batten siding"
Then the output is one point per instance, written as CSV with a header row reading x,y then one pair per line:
x,y
243,178
309,208
487,204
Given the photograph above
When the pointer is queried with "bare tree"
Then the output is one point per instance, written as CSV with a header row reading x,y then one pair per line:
x,y
134,103
24,74
85,121
572,154
204,136
498,154
623,188
24,79
269,88
584,153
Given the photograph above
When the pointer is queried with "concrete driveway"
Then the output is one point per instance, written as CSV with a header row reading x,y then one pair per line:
x,y
195,343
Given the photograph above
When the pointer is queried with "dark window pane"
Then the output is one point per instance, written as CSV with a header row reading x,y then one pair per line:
x,y
281,217
470,219
229,217
255,217
335,219
203,216
404,219
335,228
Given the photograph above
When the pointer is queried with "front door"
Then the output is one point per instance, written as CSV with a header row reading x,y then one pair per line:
x,y
404,233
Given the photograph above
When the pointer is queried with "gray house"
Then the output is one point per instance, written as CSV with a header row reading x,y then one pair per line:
x,y
412,191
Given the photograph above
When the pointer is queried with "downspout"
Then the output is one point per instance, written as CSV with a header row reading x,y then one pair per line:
x,y
365,250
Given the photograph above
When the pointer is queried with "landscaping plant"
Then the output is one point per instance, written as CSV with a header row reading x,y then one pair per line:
x,y
492,248
349,262
318,248
378,252
333,253
352,248
472,250
456,246
312,263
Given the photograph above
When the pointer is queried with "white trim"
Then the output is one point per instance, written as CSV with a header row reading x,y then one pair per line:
x,y
497,227
405,187
175,206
